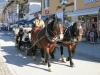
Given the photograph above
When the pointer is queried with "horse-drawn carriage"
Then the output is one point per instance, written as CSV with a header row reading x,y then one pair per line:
x,y
47,38
24,41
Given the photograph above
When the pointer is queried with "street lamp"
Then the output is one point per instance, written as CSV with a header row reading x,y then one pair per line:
x,y
64,5
63,8
99,14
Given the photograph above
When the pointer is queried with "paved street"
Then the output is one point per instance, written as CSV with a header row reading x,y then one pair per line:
x,y
86,60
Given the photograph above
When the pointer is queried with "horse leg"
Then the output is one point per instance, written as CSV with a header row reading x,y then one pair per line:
x,y
48,61
71,54
28,50
62,54
19,45
16,44
42,57
33,53
52,54
16,40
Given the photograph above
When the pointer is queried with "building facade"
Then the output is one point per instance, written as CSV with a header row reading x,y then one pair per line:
x,y
32,7
86,10
49,6
82,10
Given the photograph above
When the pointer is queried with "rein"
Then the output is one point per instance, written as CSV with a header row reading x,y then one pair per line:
x,y
36,42
51,39
46,35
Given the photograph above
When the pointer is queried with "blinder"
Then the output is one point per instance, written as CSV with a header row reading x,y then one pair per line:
x,y
55,32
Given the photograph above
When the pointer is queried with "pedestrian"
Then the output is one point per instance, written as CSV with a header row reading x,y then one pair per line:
x,y
95,35
98,39
92,35
84,35
0,29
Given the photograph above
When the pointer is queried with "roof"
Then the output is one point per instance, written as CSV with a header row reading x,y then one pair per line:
x,y
35,12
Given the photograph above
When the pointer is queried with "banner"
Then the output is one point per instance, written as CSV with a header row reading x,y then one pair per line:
x,y
59,15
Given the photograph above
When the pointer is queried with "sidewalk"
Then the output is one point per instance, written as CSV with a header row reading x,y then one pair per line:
x,y
4,70
4,67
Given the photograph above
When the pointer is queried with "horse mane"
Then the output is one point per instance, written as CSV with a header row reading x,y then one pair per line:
x,y
74,26
50,26
53,22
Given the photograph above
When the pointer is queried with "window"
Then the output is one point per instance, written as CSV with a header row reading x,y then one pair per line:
x,y
86,1
46,3
61,1
89,1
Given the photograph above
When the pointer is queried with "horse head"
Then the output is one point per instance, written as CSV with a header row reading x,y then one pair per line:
x,y
77,31
56,28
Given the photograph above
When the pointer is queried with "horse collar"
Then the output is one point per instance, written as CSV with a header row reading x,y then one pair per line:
x,y
51,39
71,41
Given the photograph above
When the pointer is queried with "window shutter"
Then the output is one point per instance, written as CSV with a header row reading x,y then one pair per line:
x,y
60,1
48,3
44,3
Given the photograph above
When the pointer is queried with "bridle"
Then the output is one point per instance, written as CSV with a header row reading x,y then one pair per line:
x,y
71,37
55,32
50,38
80,34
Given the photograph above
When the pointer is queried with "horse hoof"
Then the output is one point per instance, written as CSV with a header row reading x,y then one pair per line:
x,y
67,59
26,52
72,65
53,57
19,50
50,70
34,59
43,62
46,64
63,60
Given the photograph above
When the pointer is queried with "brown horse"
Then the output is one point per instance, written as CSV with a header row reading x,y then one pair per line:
x,y
47,38
73,34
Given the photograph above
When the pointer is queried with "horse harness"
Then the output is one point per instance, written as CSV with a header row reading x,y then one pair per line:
x,y
51,39
70,36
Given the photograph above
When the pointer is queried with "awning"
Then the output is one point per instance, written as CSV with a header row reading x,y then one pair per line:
x,y
88,11
44,17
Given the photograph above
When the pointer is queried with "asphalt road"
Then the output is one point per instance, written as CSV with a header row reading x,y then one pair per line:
x,y
86,60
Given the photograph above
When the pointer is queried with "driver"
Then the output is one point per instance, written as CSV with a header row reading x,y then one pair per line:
x,y
20,34
39,22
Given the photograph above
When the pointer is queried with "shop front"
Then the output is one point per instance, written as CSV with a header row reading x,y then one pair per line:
x,y
87,20
86,17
